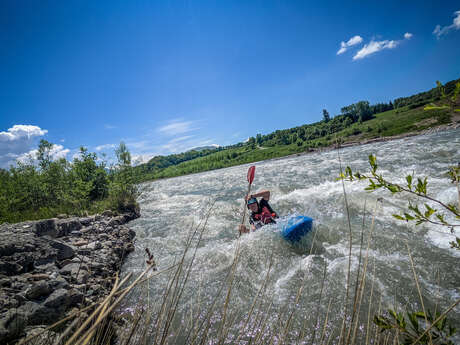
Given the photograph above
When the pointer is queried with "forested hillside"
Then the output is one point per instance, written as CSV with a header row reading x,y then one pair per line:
x,y
356,122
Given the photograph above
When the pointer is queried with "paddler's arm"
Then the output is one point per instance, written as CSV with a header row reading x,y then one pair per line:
x,y
265,194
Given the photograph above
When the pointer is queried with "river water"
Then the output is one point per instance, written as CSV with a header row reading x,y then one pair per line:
x,y
307,185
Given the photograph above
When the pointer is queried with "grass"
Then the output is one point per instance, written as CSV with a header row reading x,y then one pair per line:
x,y
209,320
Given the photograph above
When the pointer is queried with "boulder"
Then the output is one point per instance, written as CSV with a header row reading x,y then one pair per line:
x,y
10,268
66,226
85,221
38,314
64,251
46,227
38,290
63,299
12,325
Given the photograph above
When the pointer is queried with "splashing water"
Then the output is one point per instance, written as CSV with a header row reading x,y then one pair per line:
x,y
306,185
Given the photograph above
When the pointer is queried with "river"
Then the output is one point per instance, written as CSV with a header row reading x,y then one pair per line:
x,y
308,185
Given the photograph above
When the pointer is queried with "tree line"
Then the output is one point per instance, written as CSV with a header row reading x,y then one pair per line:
x,y
43,187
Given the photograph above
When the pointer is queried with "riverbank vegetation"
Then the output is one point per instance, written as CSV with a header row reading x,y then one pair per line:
x,y
43,188
356,123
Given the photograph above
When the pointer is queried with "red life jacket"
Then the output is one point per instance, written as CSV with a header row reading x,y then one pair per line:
x,y
265,216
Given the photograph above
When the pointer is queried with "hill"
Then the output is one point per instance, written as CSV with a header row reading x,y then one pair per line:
x,y
357,122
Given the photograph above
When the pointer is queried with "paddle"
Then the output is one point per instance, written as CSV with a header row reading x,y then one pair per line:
x,y
250,177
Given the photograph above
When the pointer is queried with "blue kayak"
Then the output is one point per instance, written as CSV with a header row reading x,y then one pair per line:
x,y
297,227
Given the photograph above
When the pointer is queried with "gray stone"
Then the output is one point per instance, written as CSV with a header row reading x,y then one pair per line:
x,y
38,314
38,290
86,220
12,325
66,226
46,227
73,269
10,268
63,299
93,245
64,251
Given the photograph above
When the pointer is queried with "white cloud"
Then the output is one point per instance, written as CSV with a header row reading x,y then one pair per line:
x,y
351,42
107,126
140,159
408,35
105,147
18,132
176,127
373,47
17,141
56,152
439,30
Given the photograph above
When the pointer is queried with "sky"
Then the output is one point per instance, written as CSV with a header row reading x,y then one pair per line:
x,y
167,76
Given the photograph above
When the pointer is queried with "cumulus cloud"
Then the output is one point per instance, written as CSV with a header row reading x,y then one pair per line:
x,y
408,35
177,126
351,42
439,30
17,141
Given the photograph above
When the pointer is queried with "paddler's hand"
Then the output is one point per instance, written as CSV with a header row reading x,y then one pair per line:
x,y
248,196
243,229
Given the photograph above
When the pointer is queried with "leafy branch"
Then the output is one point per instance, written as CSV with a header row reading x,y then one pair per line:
x,y
412,329
414,186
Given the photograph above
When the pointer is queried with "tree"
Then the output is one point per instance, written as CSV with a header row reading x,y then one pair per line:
x,y
44,153
123,155
326,116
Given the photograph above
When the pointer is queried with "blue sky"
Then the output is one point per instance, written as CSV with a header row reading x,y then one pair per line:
x,y
166,76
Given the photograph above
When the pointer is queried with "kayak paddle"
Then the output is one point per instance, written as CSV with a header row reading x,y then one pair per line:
x,y
250,177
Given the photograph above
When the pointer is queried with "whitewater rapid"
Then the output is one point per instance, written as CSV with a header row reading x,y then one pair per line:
x,y
308,185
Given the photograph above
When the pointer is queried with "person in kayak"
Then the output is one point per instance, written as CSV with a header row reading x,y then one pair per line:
x,y
261,211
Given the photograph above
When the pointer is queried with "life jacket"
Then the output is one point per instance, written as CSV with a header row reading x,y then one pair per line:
x,y
265,216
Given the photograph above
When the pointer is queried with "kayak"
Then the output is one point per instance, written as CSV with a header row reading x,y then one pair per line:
x,y
297,227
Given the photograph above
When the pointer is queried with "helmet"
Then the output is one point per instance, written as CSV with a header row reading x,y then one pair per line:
x,y
252,201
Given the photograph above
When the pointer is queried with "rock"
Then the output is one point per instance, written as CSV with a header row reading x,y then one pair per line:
x,y
64,251
39,276
80,243
5,282
38,290
59,283
86,221
10,268
73,269
75,233
66,226
37,314
12,325
117,221
63,299
107,213
93,245
46,227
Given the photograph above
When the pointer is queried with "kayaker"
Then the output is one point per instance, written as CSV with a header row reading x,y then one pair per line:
x,y
261,211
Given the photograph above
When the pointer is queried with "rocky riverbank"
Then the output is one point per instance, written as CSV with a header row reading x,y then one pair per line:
x,y
50,267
